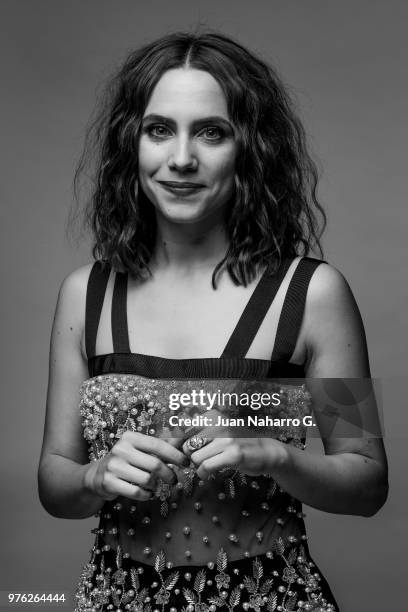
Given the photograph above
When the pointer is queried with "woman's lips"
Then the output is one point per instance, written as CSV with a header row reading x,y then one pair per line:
x,y
181,189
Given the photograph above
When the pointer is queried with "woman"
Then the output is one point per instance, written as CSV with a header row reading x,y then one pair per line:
x,y
203,213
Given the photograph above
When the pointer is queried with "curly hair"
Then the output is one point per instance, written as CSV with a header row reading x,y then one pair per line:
x,y
274,213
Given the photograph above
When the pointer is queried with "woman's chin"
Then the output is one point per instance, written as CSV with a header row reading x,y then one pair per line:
x,y
182,215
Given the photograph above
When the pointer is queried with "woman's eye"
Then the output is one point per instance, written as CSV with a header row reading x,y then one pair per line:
x,y
157,131
213,133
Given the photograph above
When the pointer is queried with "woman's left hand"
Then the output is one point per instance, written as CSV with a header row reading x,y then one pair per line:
x,y
252,456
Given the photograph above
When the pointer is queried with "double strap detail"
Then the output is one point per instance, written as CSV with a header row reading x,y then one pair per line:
x,y
293,308
289,324
255,312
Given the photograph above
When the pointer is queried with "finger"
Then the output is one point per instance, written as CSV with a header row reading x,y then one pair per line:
x,y
189,450
152,465
226,458
213,447
134,475
132,491
156,446
207,433
176,442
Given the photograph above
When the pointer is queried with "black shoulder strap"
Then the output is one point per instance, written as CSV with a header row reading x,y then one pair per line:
x,y
255,311
95,293
292,310
120,335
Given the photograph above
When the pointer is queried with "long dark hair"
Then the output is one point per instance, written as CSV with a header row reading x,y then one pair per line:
x,y
274,213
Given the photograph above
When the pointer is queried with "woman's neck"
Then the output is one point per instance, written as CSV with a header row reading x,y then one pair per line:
x,y
189,246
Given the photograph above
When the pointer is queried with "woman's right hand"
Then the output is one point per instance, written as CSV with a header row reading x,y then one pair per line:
x,y
133,466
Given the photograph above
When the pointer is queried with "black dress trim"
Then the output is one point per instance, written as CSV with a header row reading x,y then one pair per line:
x,y
291,316
151,366
95,293
120,334
255,311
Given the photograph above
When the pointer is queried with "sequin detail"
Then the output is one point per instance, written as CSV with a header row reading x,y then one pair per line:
x,y
279,578
113,404
221,587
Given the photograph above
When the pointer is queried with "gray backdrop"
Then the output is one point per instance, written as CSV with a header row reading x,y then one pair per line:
x,y
346,63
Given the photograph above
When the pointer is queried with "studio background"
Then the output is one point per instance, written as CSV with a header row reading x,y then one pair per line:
x,y
346,64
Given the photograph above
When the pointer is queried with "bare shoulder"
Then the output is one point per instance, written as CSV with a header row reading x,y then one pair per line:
x,y
70,311
327,286
333,327
72,291
75,283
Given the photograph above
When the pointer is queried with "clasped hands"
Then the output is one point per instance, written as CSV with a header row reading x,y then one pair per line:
x,y
138,461
252,456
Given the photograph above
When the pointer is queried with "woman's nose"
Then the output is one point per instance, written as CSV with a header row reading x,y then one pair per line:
x,y
182,157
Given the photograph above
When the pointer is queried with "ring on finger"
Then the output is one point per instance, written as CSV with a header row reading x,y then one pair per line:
x,y
196,442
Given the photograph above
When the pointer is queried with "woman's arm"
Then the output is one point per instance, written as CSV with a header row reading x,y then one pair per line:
x,y
69,485
351,478
64,463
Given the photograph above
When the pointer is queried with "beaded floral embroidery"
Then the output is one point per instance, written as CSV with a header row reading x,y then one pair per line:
x,y
296,589
113,404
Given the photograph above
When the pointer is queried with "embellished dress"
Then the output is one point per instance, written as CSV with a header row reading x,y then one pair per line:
x,y
229,543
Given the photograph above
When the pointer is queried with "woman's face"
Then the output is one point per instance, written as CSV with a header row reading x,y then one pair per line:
x,y
187,147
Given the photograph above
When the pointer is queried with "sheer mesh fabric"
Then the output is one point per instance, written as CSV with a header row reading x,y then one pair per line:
x,y
194,518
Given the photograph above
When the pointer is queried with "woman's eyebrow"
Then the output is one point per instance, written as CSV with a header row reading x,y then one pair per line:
x,y
196,123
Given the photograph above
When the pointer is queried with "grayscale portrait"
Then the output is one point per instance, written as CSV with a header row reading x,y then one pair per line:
x,y
204,348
